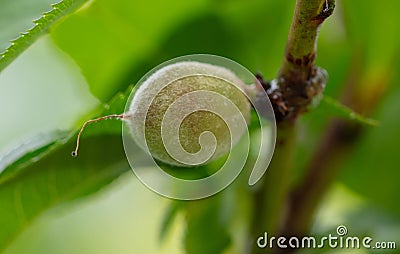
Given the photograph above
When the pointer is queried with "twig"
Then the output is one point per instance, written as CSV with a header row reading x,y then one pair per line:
x,y
299,81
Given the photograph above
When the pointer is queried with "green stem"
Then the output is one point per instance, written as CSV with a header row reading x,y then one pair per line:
x,y
299,81
301,46
270,198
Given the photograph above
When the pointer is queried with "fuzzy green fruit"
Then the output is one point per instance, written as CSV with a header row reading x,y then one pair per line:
x,y
173,82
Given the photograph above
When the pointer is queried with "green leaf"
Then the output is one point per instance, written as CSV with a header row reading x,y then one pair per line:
x,y
32,150
17,16
42,174
58,178
207,229
37,147
110,37
335,107
41,26
169,217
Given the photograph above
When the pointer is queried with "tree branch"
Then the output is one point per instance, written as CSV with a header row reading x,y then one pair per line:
x,y
298,64
299,81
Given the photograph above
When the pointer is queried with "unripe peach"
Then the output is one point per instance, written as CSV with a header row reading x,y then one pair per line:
x,y
197,94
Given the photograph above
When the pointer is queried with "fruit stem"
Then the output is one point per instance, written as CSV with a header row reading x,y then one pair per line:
x,y
113,116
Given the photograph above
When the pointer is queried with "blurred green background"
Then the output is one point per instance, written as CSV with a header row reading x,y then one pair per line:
x,y
105,46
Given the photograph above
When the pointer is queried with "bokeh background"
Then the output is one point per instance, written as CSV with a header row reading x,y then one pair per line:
x,y
105,46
